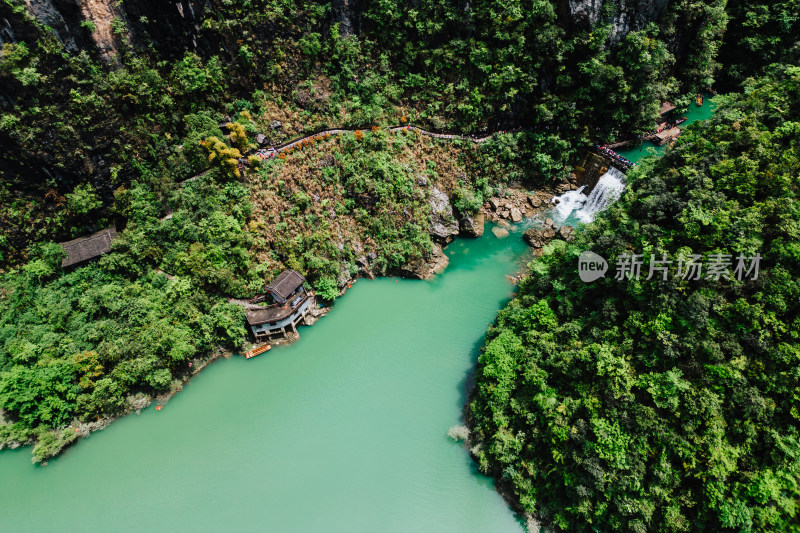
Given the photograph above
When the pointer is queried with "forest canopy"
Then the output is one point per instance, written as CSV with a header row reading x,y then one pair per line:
x,y
663,405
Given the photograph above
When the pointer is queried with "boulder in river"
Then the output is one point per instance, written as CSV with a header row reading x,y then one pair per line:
x,y
516,215
499,232
534,238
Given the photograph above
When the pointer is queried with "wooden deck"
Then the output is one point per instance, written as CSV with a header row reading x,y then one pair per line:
x,y
663,137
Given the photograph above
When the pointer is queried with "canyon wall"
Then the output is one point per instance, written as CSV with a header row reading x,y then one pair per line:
x,y
177,25
105,26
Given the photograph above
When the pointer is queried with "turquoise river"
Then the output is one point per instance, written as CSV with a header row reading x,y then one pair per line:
x,y
343,431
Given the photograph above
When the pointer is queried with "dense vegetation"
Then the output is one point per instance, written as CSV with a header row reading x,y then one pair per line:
x,y
87,344
75,124
759,33
652,405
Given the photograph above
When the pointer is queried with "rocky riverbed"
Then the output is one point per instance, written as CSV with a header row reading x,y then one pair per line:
x,y
517,204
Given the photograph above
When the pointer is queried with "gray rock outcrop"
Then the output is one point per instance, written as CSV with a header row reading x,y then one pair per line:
x,y
435,263
444,226
628,15
538,238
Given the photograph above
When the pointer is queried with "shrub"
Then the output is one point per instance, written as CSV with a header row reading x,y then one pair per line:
x,y
326,288
301,200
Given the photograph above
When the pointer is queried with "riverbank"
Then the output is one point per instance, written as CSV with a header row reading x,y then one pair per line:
x,y
61,439
350,423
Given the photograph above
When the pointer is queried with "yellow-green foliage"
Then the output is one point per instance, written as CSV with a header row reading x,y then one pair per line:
x,y
239,136
222,155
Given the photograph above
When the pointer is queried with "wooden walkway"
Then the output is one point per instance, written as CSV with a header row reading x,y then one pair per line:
x,y
288,145
448,136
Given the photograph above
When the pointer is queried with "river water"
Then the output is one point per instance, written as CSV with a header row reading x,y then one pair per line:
x,y
693,114
344,431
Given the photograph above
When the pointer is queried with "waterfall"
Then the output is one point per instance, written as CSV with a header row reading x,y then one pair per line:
x,y
576,204
607,191
569,202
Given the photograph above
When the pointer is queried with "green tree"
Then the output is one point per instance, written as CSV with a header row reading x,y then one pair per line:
x,y
652,405
83,200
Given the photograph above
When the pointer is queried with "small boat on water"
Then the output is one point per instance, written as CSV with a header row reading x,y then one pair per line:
x,y
258,350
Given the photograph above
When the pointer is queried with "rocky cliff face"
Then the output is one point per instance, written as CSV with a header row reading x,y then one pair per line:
x,y
108,25
65,25
346,13
175,26
171,27
623,15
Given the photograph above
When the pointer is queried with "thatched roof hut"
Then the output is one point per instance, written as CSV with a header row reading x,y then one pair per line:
x,y
285,284
85,249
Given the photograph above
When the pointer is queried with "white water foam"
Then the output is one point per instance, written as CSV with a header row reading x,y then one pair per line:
x,y
575,204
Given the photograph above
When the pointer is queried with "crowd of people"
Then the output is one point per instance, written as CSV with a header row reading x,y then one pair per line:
x,y
605,150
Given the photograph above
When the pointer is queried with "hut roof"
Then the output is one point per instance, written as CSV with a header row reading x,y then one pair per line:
x,y
285,284
666,107
88,248
273,313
